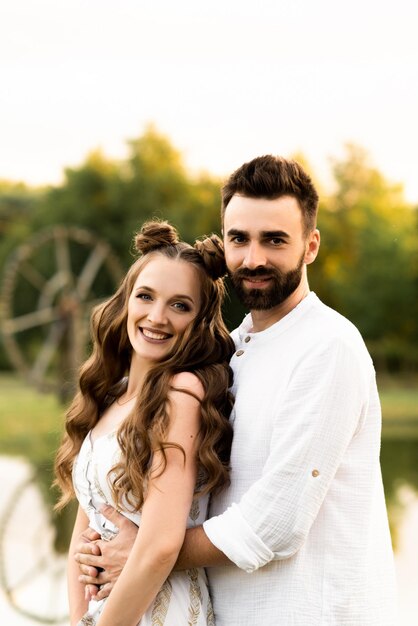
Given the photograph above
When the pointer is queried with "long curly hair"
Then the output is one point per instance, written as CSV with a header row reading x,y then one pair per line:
x,y
205,349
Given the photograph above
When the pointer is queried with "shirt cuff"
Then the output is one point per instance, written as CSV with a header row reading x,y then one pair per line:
x,y
232,534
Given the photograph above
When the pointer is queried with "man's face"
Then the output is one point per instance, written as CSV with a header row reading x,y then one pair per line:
x,y
265,249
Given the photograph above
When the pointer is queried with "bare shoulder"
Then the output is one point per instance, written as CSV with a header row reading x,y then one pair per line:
x,y
188,383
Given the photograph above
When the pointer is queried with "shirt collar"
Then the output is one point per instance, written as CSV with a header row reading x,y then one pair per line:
x,y
300,309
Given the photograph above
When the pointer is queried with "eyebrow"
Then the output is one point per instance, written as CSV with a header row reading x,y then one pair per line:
x,y
265,234
177,296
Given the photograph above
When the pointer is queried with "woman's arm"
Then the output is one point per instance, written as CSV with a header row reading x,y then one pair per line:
x,y
164,513
76,590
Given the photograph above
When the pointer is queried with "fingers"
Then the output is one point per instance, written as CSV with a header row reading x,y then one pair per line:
x,y
92,572
89,535
94,592
88,554
90,548
91,559
113,516
89,580
104,591
100,579
90,592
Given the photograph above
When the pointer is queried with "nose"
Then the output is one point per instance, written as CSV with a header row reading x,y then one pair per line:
x,y
254,256
157,314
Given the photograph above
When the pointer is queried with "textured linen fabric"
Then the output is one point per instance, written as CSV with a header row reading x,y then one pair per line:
x,y
304,518
184,597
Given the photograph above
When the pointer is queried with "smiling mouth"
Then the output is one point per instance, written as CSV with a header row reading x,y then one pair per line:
x,y
259,280
155,335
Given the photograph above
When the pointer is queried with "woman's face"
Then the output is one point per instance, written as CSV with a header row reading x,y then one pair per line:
x,y
164,300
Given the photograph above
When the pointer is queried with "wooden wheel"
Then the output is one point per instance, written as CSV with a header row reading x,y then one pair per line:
x,y
49,287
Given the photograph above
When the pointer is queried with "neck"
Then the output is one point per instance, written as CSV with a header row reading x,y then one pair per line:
x,y
136,376
265,319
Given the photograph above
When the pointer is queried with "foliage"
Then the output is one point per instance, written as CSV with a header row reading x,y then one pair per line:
x,y
17,205
368,263
113,199
367,268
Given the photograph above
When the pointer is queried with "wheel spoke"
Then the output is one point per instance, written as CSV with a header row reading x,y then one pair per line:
x,y
32,275
30,320
62,253
47,352
90,270
55,285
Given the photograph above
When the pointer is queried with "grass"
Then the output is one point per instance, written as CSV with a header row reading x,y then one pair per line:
x,y
30,422
399,398
31,425
399,403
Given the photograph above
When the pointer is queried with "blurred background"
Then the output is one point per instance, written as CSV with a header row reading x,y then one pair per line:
x,y
115,112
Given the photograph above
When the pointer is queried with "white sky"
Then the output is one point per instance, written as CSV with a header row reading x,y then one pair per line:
x,y
226,80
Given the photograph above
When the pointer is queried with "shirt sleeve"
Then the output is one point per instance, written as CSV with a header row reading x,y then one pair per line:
x,y
324,406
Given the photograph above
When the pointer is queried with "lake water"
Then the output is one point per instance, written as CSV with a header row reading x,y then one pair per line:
x,y
35,575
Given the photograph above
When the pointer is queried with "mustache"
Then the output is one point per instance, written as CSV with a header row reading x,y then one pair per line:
x,y
244,272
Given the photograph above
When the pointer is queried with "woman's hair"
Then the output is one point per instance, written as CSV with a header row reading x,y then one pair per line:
x,y
205,349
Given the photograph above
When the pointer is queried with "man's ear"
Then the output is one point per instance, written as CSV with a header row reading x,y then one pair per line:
x,y
313,242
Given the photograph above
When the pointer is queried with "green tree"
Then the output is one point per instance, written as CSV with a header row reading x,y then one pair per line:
x,y
113,198
368,268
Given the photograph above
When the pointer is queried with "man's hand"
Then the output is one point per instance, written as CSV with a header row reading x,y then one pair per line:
x,y
101,562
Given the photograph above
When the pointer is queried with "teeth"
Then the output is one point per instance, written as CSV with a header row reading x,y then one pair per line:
x,y
152,335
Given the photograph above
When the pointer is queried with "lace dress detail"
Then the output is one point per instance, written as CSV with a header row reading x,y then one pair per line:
x,y
183,600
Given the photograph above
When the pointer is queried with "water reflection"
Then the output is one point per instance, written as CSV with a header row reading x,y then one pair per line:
x,y
399,460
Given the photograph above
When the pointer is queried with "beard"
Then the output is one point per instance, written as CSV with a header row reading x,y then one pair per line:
x,y
283,284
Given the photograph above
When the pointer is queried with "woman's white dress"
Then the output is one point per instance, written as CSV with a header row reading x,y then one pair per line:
x,y
183,599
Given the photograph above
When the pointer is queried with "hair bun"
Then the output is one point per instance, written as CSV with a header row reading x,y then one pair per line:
x,y
155,234
212,252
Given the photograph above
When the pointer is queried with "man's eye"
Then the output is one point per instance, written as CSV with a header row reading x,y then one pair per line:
x,y
276,241
238,239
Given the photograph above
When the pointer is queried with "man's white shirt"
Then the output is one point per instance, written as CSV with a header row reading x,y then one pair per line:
x,y
304,518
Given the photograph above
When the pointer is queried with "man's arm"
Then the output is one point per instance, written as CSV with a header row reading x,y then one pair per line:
x,y
198,551
323,408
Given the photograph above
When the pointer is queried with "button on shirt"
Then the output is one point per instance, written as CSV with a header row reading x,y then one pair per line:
x,y
304,518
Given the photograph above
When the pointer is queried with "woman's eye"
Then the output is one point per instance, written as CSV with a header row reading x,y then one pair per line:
x,y
144,296
181,306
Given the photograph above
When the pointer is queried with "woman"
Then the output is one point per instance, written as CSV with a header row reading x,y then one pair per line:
x,y
148,431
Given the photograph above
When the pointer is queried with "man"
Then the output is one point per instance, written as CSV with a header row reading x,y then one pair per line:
x,y
300,538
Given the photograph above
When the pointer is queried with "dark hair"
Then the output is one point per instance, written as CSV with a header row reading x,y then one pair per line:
x,y
271,177
205,349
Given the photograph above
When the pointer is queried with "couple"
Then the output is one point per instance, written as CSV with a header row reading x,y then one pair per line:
x,y
297,532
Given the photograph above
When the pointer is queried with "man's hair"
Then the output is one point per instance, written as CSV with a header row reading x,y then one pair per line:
x,y
271,177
